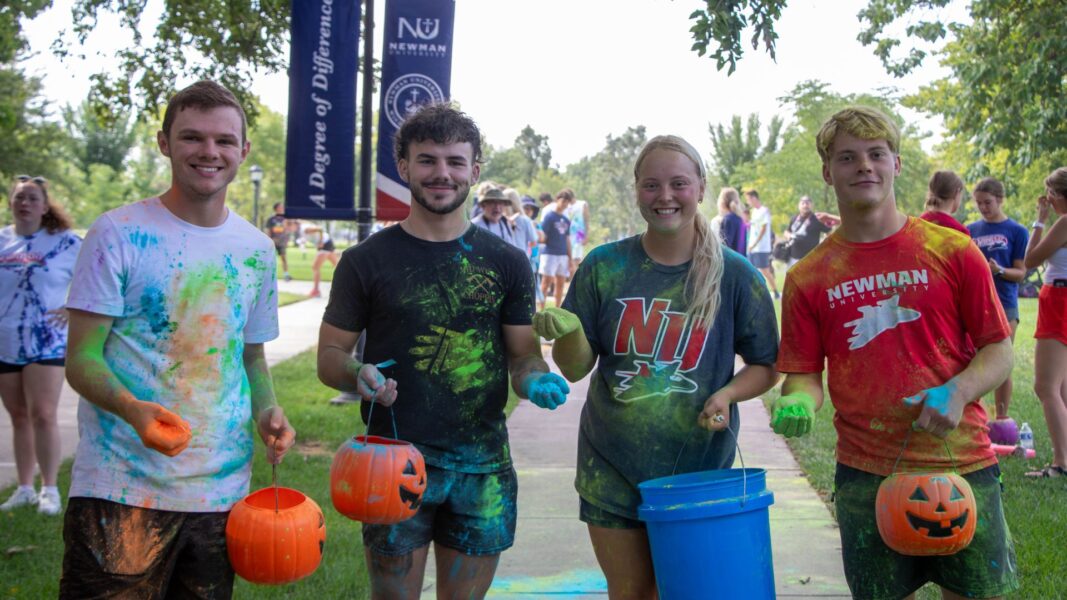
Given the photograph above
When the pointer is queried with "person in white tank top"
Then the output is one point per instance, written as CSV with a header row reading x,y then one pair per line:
x,y
1049,245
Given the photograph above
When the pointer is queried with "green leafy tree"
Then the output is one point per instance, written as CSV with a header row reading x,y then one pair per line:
x,y
606,180
535,150
505,166
228,41
795,170
739,144
718,28
93,142
1008,70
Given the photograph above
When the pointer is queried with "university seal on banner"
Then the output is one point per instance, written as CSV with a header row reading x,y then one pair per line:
x,y
409,92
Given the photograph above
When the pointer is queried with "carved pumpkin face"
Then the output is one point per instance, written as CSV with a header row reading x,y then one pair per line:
x,y
275,546
377,480
926,514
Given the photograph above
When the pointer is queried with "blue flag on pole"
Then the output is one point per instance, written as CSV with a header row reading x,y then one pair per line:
x,y
416,69
320,144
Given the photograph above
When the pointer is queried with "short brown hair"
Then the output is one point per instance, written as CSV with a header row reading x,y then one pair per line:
x,y
203,95
565,194
991,186
943,187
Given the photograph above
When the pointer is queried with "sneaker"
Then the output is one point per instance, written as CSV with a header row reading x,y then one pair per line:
x,y
21,497
48,503
777,296
288,277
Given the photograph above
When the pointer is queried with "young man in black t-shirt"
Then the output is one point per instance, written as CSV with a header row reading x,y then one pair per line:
x,y
452,305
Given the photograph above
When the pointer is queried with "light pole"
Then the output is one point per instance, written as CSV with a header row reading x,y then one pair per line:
x,y
256,174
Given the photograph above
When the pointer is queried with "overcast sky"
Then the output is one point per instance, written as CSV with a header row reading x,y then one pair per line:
x,y
580,70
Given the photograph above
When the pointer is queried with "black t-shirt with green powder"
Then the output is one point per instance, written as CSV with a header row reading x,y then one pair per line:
x,y
438,309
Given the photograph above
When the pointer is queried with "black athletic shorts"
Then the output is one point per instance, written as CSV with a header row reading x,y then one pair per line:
x,y
118,551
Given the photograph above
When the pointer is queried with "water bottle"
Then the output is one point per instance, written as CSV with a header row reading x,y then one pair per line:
x,y
1026,437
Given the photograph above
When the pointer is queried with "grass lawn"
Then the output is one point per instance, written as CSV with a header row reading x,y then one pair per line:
x,y
285,298
1035,509
33,544
300,260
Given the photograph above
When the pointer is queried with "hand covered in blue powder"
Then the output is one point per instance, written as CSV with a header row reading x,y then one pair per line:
x,y
554,323
374,387
792,415
941,411
546,390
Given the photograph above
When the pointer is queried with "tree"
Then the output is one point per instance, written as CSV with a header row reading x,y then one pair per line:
x,y
535,150
606,180
208,39
1008,78
93,142
721,24
795,170
739,145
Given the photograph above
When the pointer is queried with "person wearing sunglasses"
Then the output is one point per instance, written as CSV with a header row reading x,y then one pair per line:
x,y
37,254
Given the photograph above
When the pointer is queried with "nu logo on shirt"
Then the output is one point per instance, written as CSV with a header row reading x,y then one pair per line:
x,y
669,343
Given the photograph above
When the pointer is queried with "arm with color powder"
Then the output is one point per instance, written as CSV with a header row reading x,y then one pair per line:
x,y
571,350
530,375
277,434
89,374
793,413
338,369
749,382
942,406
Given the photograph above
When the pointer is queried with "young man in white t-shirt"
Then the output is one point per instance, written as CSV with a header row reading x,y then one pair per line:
x,y
172,300
759,239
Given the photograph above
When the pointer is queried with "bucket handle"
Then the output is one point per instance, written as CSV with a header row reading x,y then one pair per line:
x,y
904,446
707,446
370,413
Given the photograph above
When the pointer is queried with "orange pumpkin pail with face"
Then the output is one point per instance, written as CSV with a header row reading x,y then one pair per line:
x,y
377,480
275,536
926,514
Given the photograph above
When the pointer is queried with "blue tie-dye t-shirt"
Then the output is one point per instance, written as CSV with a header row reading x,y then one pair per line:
x,y
185,300
35,272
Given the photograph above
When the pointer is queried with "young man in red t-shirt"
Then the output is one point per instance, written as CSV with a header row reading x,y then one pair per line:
x,y
903,314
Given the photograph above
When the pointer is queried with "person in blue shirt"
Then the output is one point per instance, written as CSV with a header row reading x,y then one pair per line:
x,y
1003,242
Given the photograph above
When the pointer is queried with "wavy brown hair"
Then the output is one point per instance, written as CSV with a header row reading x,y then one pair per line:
x,y
55,218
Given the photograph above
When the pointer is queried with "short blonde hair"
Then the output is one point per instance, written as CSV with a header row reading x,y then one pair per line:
x,y
863,122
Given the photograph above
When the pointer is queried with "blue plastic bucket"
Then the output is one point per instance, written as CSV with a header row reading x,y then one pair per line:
x,y
710,534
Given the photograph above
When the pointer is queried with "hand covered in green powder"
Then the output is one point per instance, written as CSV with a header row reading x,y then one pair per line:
x,y
792,415
546,390
554,323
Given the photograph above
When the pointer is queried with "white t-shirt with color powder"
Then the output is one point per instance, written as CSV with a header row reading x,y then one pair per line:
x,y
760,217
185,301
35,272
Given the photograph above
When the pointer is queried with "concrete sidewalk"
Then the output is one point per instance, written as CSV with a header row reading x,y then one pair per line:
x,y
299,331
553,557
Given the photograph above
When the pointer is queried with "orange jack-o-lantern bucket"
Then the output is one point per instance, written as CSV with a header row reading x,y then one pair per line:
x,y
275,535
926,514
377,480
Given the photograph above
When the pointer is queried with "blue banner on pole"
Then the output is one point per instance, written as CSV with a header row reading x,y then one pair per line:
x,y
416,70
320,144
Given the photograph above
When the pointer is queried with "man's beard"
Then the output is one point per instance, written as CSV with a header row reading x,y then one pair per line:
x,y
461,196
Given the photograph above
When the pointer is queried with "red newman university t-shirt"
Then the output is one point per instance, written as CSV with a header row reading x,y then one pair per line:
x,y
890,319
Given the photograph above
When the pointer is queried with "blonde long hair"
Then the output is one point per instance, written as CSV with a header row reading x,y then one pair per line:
x,y
702,284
